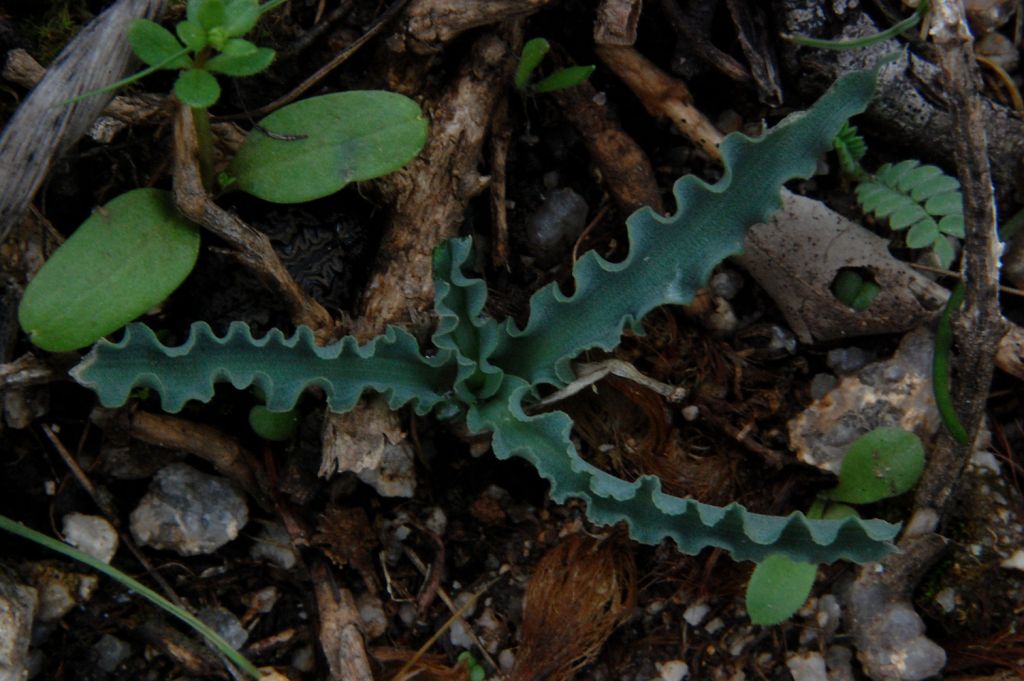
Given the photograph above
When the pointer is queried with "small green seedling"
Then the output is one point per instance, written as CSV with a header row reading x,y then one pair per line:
x,y
476,672
533,53
208,41
855,290
135,251
881,464
276,426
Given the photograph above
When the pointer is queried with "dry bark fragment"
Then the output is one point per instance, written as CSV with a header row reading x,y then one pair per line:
x,y
340,637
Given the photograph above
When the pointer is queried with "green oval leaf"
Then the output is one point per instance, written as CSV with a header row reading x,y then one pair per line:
x,y
533,52
240,16
155,45
127,257
883,463
565,78
197,88
923,233
327,142
206,13
777,589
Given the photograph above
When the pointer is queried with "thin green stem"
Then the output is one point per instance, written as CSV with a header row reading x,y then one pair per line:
x,y
891,32
138,587
126,81
940,367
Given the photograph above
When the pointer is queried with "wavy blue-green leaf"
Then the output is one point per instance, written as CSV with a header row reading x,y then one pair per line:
x,y
462,327
282,368
670,258
652,515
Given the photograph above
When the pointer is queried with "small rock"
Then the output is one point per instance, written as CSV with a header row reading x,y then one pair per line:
x,y
946,599
371,612
673,670
18,604
726,284
553,228
506,660
188,512
59,589
224,622
1014,562
92,534
273,545
847,360
807,667
714,625
109,652
304,659
821,384
839,660
696,613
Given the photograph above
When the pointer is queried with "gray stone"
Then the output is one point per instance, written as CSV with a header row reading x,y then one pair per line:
x,y
18,604
92,534
224,622
188,512
109,652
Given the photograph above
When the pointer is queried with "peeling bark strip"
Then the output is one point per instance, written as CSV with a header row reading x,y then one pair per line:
x,y
41,130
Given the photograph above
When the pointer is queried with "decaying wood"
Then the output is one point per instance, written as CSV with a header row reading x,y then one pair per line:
x,y
580,591
616,22
340,637
43,129
253,247
429,198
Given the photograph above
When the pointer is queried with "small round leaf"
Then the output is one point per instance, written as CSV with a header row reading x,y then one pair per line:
x,y
206,13
883,463
923,233
777,589
327,142
197,88
276,426
127,257
155,45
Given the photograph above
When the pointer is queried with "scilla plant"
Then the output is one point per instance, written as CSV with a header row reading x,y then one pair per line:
x,y
137,249
489,373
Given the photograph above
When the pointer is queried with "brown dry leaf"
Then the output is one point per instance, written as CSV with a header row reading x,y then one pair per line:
x,y
582,589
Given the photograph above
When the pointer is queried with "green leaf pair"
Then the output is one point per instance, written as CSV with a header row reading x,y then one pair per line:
x,y
532,55
489,372
210,26
884,463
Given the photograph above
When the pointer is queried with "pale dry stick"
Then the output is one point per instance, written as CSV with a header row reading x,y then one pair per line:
x,y
589,373
253,247
662,95
340,637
